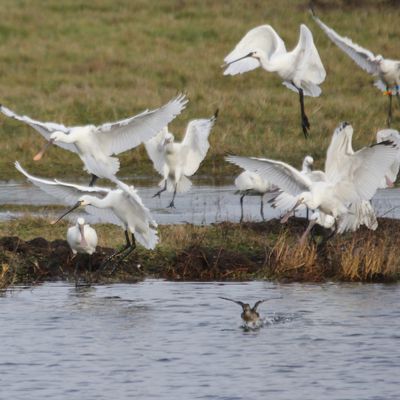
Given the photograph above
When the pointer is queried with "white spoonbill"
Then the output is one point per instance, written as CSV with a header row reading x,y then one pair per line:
x,y
301,69
175,161
350,176
121,206
249,183
96,144
387,71
82,238
394,136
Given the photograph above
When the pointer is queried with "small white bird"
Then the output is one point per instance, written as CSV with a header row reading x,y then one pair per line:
x,y
301,69
249,183
394,136
176,161
121,206
350,176
387,71
96,144
82,238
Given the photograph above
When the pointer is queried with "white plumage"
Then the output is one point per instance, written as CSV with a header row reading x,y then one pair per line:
x,y
394,136
386,71
82,238
350,176
176,161
300,69
121,206
96,144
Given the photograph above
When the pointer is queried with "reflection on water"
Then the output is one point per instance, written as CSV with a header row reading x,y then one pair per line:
x,y
167,340
202,205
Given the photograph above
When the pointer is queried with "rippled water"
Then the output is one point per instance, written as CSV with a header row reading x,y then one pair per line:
x,y
204,204
166,340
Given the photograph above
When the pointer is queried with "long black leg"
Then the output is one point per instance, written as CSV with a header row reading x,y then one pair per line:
x,y
398,94
93,180
128,244
389,118
305,125
307,213
162,190
262,208
241,207
172,204
129,251
76,277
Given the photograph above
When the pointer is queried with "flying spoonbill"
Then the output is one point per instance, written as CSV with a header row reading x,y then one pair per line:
x,y
301,69
175,161
350,176
121,206
95,145
387,71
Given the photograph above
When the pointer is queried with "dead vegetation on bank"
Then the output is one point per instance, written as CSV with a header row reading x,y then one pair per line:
x,y
225,251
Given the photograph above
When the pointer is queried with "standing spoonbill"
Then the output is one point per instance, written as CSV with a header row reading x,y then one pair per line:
x,y
175,161
249,183
96,144
301,69
121,206
387,71
82,238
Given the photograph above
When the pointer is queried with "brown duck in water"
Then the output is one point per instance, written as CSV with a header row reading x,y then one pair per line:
x,y
249,314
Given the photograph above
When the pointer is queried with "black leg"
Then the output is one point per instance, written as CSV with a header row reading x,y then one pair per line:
x,y
76,277
304,120
307,213
158,194
93,180
172,204
128,244
389,118
398,94
129,251
262,208
241,207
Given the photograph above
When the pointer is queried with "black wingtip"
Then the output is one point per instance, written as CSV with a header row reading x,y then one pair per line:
x,y
216,113
311,8
384,143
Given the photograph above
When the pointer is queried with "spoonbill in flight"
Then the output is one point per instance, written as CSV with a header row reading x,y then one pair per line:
x,y
121,206
175,161
349,176
301,69
387,71
96,144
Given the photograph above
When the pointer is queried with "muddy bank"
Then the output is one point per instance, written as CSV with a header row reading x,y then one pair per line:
x,y
225,251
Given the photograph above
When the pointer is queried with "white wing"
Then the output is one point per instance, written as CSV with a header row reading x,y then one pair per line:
x,y
126,134
283,175
44,128
155,150
363,57
360,213
309,68
195,143
69,193
262,38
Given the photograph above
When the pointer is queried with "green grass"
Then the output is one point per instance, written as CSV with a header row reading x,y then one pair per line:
x,y
80,62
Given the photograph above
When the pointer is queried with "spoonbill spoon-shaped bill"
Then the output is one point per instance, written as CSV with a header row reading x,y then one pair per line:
x,y
82,238
249,183
350,176
175,161
300,69
387,71
394,136
95,145
120,206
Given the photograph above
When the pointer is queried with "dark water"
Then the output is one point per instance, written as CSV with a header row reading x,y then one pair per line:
x,y
164,340
204,204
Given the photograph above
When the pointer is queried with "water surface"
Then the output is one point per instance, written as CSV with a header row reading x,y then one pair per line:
x,y
166,340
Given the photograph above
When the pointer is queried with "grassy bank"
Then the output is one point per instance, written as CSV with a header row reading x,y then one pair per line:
x,y
32,252
80,62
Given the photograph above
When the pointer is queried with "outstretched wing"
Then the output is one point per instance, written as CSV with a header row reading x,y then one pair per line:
x,y
262,38
195,143
69,193
44,128
126,134
283,175
234,301
361,56
258,303
155,150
